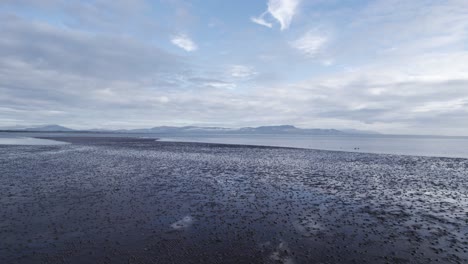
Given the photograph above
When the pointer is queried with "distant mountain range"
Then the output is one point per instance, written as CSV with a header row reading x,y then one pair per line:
x,y
281,129
44,128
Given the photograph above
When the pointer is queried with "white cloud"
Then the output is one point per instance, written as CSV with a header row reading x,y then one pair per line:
x,y
241,71
442,106
183,224
310,43
328,62
281,10
422,26
259,20
222,85
184,42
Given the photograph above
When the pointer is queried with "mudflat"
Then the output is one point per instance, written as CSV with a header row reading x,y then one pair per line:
x,y
130,200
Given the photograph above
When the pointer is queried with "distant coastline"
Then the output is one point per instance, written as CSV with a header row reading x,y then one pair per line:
x,y
274,129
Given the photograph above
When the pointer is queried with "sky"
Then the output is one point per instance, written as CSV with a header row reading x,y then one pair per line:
x,y
392,66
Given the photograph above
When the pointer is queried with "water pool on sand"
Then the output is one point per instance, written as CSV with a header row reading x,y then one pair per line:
x,y
14,140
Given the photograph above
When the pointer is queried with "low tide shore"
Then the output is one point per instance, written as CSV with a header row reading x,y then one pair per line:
x,y
128,200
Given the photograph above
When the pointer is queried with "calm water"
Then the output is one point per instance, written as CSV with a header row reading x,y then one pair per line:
x,y
385,144
404,145
12,139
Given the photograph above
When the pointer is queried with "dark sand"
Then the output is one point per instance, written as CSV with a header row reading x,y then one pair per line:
x,y
120,200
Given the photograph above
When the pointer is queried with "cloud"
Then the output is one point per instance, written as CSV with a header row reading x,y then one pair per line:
x,y
282,11
223,85
259,20
422,26
43,46
47,69
417,90
309,44
241,71
210,82
74,64
184,223
184,42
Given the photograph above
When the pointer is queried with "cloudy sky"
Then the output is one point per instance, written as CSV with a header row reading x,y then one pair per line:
x,y
394,66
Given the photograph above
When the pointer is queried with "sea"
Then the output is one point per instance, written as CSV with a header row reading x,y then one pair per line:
x,y
433,146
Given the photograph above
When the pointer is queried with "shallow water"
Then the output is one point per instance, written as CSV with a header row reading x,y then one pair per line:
x,y
385,144
17,140
431,146
127,200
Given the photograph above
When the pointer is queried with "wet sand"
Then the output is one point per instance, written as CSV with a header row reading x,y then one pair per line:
x,y
123,200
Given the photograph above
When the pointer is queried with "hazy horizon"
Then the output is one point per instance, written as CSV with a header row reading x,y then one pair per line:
x,y
390,66
346,131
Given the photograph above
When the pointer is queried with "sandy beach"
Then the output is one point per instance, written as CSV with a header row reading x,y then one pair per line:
x,y
129,200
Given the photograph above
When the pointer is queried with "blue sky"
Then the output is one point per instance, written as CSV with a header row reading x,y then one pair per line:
x,y
387,65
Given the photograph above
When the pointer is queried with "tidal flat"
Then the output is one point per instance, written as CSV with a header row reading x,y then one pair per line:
x,y
131,200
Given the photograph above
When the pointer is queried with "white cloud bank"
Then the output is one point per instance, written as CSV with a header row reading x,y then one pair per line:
x,y
413,82
184,42
281,10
